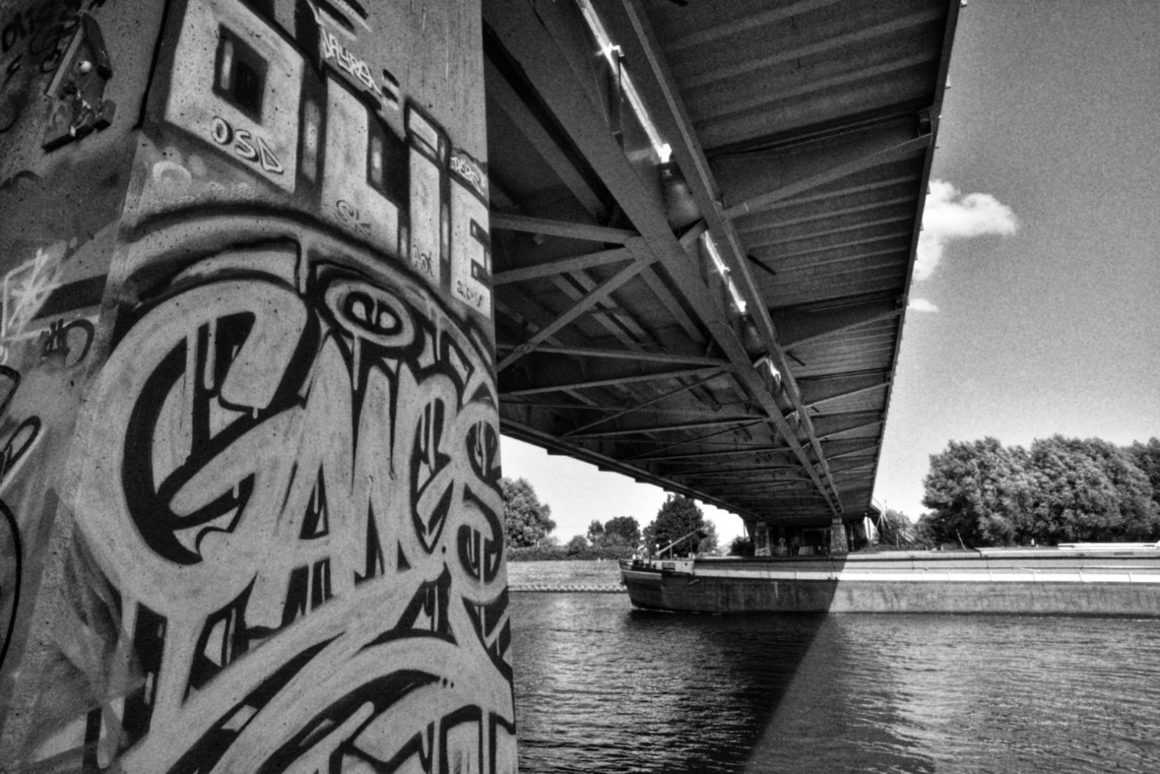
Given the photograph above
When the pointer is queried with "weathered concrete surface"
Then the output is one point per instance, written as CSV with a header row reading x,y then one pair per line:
x,y
250,514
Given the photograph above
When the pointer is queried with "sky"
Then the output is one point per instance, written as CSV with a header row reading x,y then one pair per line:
x,y
1035,306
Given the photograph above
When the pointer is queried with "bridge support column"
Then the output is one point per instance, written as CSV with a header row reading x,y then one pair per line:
x,y
761,539
838,543
249,506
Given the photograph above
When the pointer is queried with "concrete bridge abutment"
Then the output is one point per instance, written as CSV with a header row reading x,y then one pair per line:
x,y
249,505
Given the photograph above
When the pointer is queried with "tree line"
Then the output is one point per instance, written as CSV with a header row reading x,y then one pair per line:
x,y
1059,490
528,526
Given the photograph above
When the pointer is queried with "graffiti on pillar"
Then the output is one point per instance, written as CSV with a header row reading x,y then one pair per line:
x,y
284,542
298,493
39,302
48,304
34,41
10,571
271,113
761,539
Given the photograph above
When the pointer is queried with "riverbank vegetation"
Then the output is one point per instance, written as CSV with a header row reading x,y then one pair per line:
x,y
982,493
617,538
680,517
527,525
526,521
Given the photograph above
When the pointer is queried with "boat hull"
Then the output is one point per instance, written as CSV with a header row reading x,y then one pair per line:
x,y
1042,582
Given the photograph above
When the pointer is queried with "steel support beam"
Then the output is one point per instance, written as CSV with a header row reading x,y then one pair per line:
x,y
651,401
895,153
499,90
526,35
661,90
732,422
580,307
506,221
562,265
586,384
627,354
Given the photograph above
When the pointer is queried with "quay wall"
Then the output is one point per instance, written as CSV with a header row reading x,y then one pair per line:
x,y
1029,597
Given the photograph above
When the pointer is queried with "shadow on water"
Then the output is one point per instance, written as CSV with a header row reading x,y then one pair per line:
x,y
839,709
601,686
728,674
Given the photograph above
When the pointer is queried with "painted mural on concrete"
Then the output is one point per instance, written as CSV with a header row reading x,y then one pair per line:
x,y
249,514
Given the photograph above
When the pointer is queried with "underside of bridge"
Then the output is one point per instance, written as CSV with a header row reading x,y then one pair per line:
x,y
704,223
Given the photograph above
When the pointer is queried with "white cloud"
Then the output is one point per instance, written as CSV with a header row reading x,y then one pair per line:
x,y
921,305
949,215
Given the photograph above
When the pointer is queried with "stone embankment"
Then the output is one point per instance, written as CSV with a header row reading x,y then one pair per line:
x,y
565,576
567,587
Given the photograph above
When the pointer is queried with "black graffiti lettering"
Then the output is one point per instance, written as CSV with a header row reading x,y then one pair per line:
x,y
9,384
224,639
242,146
70,340
297,591
9,586
480,552
148,644
203,755
149,506
320,585
292,497
212,429
13,33
41,35
17,445
316,522
374,563
483,452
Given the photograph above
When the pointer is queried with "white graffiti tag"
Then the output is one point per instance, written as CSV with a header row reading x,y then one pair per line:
x,y
297,497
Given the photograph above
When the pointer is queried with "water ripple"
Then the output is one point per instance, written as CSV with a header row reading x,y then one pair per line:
x,y
601,687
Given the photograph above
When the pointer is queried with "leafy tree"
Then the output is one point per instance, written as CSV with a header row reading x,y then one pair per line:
x,y
709,539
595,531
526,521
926,533
1147,458
1089,490
895,528
1139,515
979,493
616,538
1062,489
624,529
577,545
741,546
678,516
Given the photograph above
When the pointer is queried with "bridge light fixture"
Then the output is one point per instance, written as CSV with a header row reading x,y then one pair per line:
x,y
723,270
769,374
614,54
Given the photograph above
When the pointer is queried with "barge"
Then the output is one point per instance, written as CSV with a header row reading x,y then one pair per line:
x,y
1073,579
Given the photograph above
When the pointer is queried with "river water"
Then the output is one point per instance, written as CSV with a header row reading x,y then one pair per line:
x,y
602,687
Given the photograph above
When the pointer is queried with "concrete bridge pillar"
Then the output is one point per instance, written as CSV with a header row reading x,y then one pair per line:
x,y
761,539
839,544
249,505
